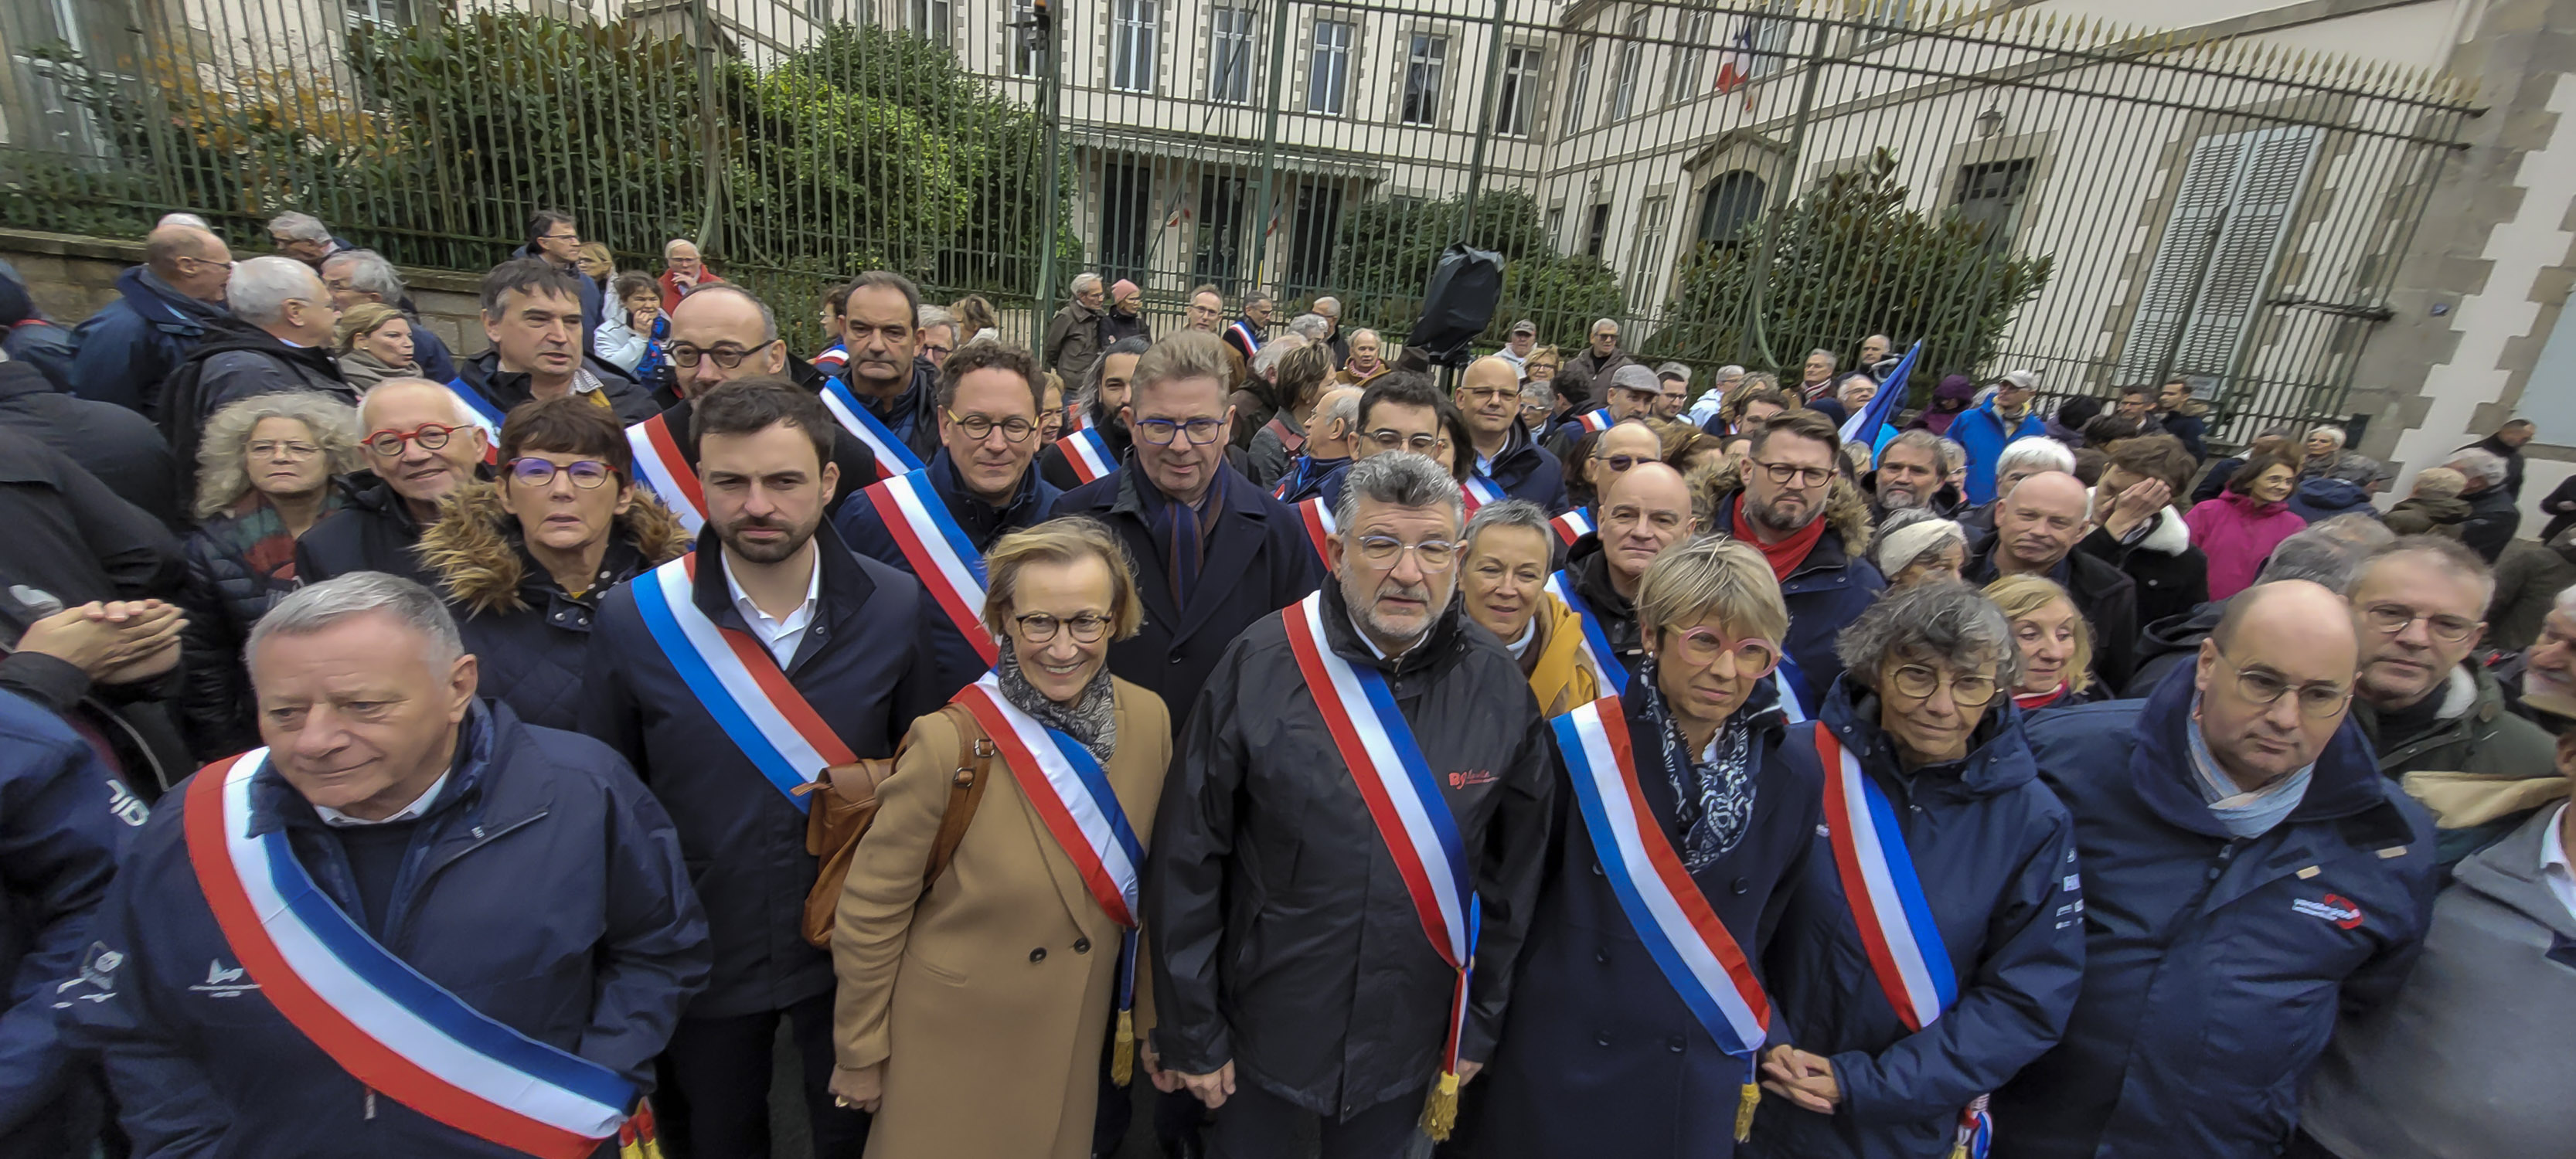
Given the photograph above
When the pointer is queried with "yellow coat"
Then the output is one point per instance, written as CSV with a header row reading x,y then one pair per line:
x,y
1558,675
987,997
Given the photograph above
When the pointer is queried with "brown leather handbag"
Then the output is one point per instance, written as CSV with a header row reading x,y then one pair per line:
x,y
845,804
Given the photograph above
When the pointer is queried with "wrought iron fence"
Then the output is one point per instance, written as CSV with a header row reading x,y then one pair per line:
x,y
1738,182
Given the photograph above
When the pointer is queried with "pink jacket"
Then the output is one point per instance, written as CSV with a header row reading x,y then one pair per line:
x,y
2238,534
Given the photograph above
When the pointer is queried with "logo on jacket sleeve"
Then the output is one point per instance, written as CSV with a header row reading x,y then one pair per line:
x,y
2333,907
224,981
1466,777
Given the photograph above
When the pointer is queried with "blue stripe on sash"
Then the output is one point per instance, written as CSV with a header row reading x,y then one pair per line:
x,y
1612,669
1909,892
1427,787
712,694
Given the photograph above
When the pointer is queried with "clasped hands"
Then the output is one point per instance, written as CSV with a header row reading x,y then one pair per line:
x,y
1802,1078
114,641
1212,1089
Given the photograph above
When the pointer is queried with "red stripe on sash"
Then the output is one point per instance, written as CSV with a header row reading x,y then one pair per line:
x,y
1838,807
773,683
658,432
1668,865
1050,807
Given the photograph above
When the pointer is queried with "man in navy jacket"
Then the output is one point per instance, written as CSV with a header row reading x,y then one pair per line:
x,y
163,309
2248,875
1213,553
520,869
984,482
1506,455
855,640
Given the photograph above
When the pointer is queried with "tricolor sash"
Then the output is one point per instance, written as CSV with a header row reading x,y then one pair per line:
x,y
1596,421
1671,916
1888,905
893,458
1088,454
378,1018
1478,491
666,473
1571,526
486,415
1595,651
939,552
738,682
1792,684
1318,521
1404,800
1251,341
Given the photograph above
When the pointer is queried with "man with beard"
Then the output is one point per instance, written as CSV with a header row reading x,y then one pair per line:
x,y
1101,443
1507,458
771,629
2036,529
1789,499
881,329
1909,475
1643,512
1308,1009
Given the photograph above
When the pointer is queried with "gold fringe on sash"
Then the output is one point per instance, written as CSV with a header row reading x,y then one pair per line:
x,y
1744,1110
1122,1057
1440,1111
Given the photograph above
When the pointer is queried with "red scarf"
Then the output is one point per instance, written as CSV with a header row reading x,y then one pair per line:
x,y
2031,700
1786,555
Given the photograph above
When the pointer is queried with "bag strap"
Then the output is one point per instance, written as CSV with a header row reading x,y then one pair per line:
x,y
965,789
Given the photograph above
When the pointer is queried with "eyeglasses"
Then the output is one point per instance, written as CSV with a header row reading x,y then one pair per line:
x,y
1918,682
1161,432
935,352
1384,550
1482,395
727,356
1754,658
1621,463
1783,473
389,443
273,449
587,474
976,427
1039,627
2264,687
1391,439
2390,619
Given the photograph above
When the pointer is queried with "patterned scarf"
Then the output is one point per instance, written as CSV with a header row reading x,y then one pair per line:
x,y
1713,792
1092,718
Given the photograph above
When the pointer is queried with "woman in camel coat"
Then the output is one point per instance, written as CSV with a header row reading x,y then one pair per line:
x,y
970,1016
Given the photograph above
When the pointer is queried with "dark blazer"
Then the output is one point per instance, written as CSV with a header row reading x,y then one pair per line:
x,y
865,666
1525,470
373,531
1259,561
957,661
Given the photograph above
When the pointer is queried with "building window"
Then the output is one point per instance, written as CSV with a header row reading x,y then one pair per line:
x,y
1575,89
1519,91
1596,237
1310,239
1027,48
2222,239
1728,206
1556,229
1230,55
929,19
1425,60
1126,219
1218,254
1131,45
1328,78
1689,59
1771,36
1646,261
1632,60
396,13
1990,197
1882,20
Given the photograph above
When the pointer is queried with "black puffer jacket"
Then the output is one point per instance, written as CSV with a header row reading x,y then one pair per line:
x,y
374,532
529,634
239,566
236,361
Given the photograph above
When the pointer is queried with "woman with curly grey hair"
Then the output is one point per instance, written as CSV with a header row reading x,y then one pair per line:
x,y
264,471
1936,941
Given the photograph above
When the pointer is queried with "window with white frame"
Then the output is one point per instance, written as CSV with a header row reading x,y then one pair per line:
x,y
397,13
1328,77
1771,37
1689,60
1575,88
1027,45
1133,26
1230,35
1426,60
930,19
1646,258
1632,60
1518,94
1882,20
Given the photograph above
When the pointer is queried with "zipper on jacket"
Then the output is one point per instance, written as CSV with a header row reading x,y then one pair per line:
x,y
371,1104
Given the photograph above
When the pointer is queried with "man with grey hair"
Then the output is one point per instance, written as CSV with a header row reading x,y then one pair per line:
x,y
532,313
683,271
1519,343
1311,327
1332,436
359,276
164,308
2540,681
303,237
1247,333
1337,1023
938,334
278,337
1329,308
298,868
2494,517
418,443
2019,461
1585,378
1705,407
1073,336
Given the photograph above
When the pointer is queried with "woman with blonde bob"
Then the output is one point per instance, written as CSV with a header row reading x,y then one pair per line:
x,y
971,1012
1600,1054
2056,647
375,344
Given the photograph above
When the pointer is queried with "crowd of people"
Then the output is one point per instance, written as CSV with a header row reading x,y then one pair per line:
x,y
412,754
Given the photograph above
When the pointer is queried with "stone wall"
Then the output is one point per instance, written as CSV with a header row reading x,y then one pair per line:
x,y
71,277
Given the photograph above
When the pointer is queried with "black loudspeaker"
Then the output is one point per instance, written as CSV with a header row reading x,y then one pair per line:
x,y
1458,304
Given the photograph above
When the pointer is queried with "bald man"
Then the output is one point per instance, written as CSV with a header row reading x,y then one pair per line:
x,y
2036,529
1332,436
722,322
1643,512
164,308
1508,458
2246,873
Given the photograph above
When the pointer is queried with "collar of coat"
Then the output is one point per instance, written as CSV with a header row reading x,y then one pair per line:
x,y
276,805
846,587
1998,759
2345,782
479,554
1438,649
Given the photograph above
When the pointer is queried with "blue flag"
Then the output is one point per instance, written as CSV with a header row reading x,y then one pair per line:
x,y
1870,425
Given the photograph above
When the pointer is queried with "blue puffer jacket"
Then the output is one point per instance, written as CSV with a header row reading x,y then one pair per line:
x,y
2214,967
1984,433
543,887
1996,855
865,665
864,529
133,343
62,820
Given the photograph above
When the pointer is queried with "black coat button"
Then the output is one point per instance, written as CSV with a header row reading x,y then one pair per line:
x,y
1038,954
1596,869
1601,1040
1743,885
1601,956
1082,945
1673,1044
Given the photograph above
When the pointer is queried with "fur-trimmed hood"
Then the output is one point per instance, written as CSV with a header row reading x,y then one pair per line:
x,y
1846,509
474,551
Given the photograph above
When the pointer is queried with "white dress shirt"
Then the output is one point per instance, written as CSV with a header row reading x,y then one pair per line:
x,y
2553,861
779,636
419,805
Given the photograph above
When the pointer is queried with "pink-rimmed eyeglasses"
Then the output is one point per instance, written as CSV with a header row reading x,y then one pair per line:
x,y
1755,658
